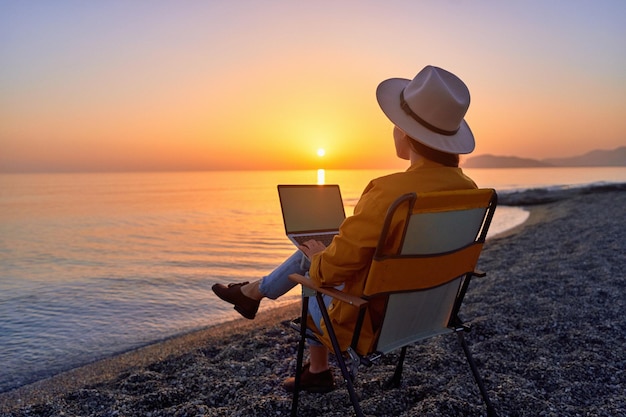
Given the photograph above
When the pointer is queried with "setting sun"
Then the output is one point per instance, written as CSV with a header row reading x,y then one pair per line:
x,y
321,152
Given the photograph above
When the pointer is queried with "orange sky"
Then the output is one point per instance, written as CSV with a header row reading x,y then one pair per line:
x,y
258,84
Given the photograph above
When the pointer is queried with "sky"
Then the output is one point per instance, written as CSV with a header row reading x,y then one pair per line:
x,y
263,84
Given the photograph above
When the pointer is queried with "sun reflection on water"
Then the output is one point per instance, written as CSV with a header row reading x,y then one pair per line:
x,y
321,176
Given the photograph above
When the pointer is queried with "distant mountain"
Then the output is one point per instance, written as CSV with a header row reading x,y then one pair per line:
x,y
492,161
615,157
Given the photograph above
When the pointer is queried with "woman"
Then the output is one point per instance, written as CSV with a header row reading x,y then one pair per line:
x,y
429,131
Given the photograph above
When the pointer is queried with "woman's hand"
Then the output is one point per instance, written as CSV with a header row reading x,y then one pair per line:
x,y
311,247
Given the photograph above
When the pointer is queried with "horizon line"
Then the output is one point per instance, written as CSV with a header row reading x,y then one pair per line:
x,y
394,169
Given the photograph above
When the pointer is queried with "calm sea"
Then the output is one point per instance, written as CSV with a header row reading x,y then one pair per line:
x,y
96,264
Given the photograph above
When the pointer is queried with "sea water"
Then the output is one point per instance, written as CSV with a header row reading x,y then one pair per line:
x,y
100,263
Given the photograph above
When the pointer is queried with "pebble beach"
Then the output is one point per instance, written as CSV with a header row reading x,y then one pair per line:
x,y
548,334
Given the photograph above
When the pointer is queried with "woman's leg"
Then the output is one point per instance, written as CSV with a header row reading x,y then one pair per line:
x,y
247,296
318,358
277,282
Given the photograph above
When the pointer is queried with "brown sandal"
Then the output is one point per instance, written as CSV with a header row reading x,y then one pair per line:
x,y
318,383
246,306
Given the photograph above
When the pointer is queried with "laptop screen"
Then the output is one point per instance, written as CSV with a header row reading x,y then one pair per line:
x,y
310,208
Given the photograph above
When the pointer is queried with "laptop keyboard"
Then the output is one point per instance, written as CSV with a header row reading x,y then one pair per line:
x,y
324,238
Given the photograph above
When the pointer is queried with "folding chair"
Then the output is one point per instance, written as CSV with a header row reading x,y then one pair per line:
x,y
422,267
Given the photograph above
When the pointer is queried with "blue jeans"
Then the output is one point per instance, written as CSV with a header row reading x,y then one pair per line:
x,y
277,283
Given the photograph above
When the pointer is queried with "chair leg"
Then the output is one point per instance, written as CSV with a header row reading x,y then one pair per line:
x,y
342,364
396,379
491,411
300,356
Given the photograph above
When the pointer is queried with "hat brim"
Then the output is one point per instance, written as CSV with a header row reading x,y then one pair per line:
x,y
388,96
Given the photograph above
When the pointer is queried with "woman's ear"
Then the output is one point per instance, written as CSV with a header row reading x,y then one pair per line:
x,y
401,140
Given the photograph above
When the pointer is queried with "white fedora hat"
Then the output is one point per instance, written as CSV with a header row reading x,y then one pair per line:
x,y
430,109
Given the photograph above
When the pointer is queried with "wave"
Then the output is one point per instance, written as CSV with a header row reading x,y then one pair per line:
x,y
543,195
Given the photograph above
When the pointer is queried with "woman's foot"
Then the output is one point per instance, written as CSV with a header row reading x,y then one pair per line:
x,y
319,383
232,293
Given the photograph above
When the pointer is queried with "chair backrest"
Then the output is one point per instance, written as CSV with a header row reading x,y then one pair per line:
x,y
428,249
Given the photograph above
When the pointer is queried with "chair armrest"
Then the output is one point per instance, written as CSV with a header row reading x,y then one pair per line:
x,y
333,292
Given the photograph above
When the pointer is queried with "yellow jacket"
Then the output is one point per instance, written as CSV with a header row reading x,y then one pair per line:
x,y
347,259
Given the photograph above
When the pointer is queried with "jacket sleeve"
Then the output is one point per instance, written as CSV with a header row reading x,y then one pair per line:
x,y
349,255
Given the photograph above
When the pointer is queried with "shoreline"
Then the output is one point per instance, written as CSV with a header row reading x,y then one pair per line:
x,y
539,196
561,211
108,368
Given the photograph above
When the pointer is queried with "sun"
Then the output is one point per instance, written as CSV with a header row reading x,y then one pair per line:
x,y
321,152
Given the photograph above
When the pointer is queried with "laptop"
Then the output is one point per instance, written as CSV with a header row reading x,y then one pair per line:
x,y
311,212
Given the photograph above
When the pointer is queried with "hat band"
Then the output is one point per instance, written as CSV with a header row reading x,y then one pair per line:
x,y
407,110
